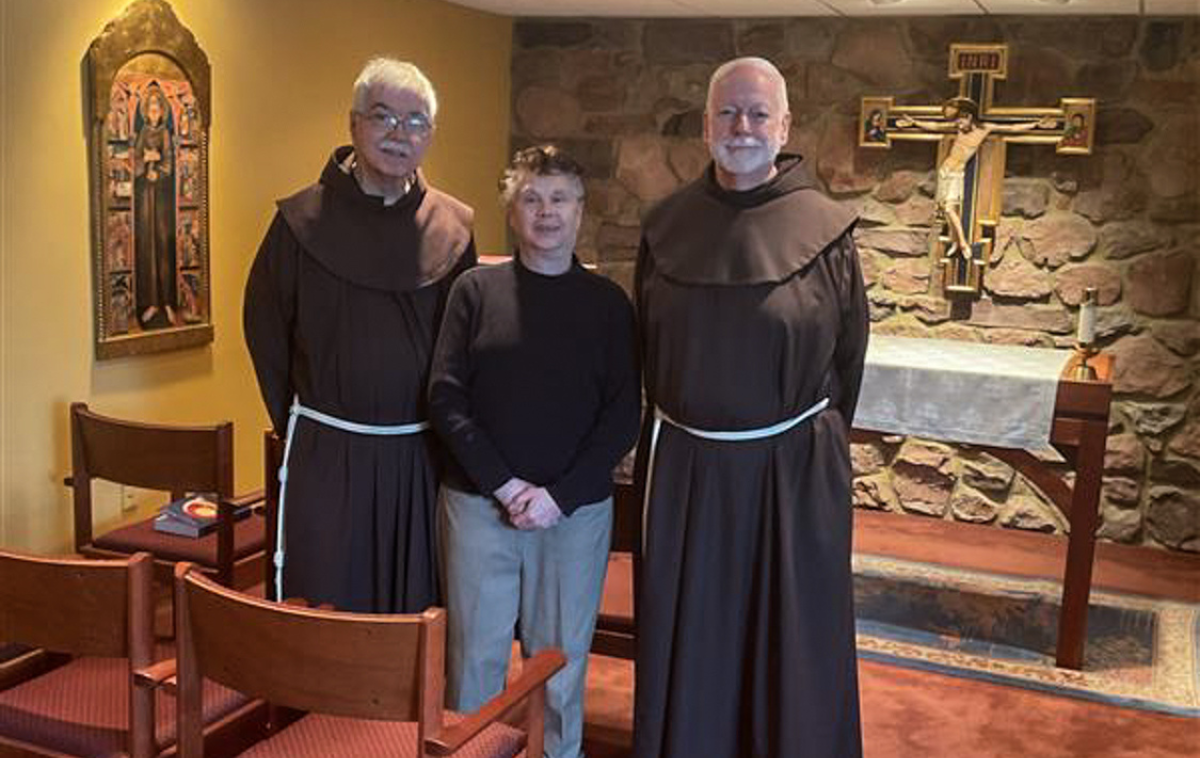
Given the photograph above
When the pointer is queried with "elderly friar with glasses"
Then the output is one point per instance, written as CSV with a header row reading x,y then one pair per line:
x,y
341,311
534,388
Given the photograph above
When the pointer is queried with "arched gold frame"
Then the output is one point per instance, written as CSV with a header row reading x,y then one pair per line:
x,y
148,39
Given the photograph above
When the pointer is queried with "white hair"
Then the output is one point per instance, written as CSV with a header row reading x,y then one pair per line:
x,y
397,74
761,64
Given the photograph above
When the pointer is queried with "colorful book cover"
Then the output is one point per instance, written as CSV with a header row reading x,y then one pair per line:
x,y
191,516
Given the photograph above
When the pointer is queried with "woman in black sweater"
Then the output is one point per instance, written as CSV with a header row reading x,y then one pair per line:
x,y
534,390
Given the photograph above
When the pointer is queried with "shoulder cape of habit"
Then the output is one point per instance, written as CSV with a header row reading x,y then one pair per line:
x,y
400,247
705,234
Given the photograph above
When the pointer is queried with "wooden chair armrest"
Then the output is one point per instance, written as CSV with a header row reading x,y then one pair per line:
x,y
534,674
160,674
28,664
250,498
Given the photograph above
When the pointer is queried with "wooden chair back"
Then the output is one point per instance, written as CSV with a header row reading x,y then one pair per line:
x,y
616,634
155,456
354,665
365,668
85,608
250,645
176,459
78,606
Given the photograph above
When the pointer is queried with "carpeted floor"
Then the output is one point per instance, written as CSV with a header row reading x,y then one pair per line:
x,y
915,713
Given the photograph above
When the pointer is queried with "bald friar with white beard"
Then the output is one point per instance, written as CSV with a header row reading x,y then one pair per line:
x,y
754,324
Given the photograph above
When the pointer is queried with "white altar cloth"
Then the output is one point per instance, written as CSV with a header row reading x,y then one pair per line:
x,y
1000,395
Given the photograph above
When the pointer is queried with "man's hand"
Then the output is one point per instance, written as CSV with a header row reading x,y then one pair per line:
x,y
904,122
509,490
1047,122
534,508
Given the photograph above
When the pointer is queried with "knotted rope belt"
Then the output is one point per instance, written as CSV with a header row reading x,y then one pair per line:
x,y
740,435
298,410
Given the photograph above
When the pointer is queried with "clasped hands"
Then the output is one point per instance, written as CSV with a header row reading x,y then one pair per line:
x,y
529,506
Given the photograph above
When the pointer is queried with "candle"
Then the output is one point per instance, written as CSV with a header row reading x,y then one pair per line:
x,y
1087,317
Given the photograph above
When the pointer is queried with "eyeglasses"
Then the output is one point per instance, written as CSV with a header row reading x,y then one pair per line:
x,y
410,123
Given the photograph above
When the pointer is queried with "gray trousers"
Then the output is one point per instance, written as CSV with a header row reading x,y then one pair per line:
x,y
551,580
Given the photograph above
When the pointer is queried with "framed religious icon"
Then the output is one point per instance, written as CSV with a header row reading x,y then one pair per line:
x,y
1079,121
149,102
873,122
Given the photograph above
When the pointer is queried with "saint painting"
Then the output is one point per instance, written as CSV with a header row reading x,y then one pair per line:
x,y
1079,118
118,118
149,99
154,178
119,237
155,293
873,129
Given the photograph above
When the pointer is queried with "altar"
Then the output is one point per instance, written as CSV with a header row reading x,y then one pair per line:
x,y
1006,401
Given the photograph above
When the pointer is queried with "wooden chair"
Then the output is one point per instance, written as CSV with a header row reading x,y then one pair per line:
x,y
175,459
89,680
372,684
272,460
616,631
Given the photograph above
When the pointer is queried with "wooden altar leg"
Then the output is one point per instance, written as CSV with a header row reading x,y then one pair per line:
x,y
1081,545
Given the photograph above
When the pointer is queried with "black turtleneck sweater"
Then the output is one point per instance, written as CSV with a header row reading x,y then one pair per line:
x,y
536,376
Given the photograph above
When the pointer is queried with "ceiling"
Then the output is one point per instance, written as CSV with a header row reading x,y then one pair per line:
x,y
766,8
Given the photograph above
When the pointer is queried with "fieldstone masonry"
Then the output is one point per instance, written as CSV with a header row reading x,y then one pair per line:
x,y
627,98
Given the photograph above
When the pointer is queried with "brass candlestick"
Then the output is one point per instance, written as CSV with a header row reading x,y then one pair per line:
x,y
1082,371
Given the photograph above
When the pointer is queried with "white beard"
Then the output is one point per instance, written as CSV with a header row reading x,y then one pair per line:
x,y
752,155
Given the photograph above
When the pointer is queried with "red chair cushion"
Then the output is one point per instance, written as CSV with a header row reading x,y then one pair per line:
x,y
247,539
319,736
82,708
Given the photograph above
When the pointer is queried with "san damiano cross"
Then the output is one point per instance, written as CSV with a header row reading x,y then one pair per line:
x,y
972,135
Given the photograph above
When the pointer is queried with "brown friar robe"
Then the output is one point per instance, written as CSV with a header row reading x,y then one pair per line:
x,y
342,308
752,309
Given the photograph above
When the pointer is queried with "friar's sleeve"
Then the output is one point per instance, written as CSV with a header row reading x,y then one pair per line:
x,y
268,316
450,393
641,272
616,426
854,327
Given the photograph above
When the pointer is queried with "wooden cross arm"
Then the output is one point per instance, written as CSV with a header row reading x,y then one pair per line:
x,y
1048,121
534,674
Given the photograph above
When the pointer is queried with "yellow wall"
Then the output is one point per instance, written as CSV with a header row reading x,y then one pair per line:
x,y
282,72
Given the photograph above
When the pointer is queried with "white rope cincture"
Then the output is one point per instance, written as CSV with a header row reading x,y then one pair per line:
x,y
739,435
297,410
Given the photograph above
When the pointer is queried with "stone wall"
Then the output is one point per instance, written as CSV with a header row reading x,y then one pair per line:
x,y
626,97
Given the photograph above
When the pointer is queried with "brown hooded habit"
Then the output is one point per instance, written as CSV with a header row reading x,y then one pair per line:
x,y
342,308
752,309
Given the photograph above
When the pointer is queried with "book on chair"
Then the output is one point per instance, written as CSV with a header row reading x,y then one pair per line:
x,y
192,516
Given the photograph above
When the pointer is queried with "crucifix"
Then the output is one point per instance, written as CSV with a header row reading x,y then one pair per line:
x,y
972,135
